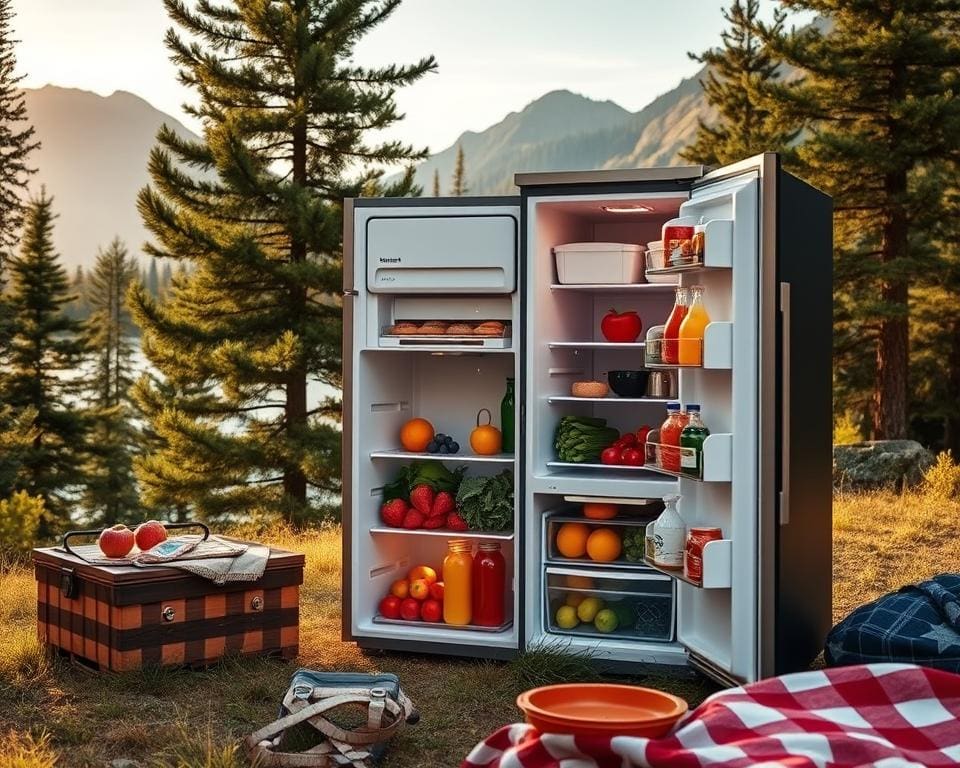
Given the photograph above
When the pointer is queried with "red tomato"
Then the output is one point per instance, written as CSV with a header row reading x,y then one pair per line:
x,y
436,591
631,457
611,455
390,607
431,610
410,609
628,440
621,327
642,433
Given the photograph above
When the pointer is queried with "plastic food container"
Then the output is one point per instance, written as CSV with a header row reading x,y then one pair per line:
x,y
655,260
585,263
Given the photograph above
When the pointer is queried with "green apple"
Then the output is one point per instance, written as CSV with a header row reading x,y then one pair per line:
x,y
606,621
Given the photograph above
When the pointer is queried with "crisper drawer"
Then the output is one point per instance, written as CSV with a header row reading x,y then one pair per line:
x,y
621,605
464,253
619,541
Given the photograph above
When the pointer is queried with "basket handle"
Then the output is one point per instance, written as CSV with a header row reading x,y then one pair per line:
x,y
96,532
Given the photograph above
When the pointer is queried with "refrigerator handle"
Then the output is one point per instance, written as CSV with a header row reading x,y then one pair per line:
x,y
785,381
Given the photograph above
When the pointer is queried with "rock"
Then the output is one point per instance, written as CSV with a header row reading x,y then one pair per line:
x,y
880,464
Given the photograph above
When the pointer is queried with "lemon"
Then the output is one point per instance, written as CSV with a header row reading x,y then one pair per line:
x,y
567,617
587,610
574,599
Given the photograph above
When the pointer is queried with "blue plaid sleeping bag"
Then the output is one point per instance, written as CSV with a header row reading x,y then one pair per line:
x,y
918,624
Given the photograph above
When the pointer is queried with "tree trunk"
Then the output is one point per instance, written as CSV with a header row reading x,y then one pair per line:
x,y
294,480
893,344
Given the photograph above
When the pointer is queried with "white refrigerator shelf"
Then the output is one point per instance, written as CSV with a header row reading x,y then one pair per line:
x,y
615,287
717,566
716,464
378,619
498,458
444,532
554,399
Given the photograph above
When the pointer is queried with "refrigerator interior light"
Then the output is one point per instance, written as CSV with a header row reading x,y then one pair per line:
x,y
627,208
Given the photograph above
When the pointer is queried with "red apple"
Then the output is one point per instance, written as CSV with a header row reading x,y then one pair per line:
x,y
431,610
436,591
149,534
116,541
419,589
424,572
410,609
390,607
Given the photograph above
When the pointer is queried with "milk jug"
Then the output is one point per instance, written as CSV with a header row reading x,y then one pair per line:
x,y
668,536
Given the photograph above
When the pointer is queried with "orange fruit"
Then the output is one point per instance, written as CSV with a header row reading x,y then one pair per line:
x,y
594,510
424,572
416,435
486,439
572,539
603,545
400,588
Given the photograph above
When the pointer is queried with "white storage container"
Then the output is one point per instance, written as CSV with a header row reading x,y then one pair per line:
x,y
580,263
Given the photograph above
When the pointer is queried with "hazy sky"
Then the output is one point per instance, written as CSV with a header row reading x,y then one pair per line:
x,y
494,56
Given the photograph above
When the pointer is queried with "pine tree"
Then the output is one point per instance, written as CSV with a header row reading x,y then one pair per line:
x,y
459,175
44,346
111,492
878,98
166,278
153,279
436,183
16,135
289,121
79,308
737,82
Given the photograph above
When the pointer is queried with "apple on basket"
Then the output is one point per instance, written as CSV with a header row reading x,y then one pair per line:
x,y
149,534
116,541
390,607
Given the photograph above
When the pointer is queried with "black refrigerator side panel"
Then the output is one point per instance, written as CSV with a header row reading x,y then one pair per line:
x,y
804,569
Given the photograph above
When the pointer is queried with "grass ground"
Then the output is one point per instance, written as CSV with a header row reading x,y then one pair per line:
x,y
54,714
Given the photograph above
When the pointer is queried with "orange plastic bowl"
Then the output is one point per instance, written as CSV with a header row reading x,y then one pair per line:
x,y
601,709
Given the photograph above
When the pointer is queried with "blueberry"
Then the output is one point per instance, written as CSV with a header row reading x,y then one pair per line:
x,y
443,449
432,446
454,447
448,440
439,437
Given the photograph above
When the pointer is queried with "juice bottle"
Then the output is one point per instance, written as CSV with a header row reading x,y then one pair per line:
x,y
670,436
691,330
458,582
693,436
489,585
671,331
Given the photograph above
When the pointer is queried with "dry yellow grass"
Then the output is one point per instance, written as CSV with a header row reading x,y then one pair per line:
x,y
193,719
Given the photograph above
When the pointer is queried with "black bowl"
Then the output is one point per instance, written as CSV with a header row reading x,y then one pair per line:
x,y
628,383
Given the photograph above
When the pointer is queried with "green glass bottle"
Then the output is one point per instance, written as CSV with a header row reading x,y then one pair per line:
x,y
507,410
693,436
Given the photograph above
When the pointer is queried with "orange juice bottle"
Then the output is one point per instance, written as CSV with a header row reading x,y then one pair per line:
x,y
458,582
692,328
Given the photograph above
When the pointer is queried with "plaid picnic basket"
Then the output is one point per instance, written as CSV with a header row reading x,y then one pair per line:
x,y
918,624
332,719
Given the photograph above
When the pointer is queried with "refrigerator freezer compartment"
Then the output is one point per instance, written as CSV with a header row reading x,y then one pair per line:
x,y
715,466
378,619
715,349
626,528
644,603
446,533
717,566
712,248
591,262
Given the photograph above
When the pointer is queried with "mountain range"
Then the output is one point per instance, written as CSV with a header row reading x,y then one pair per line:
x,y
94,153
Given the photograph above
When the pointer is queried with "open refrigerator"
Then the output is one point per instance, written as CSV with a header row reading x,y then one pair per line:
x,y
763,381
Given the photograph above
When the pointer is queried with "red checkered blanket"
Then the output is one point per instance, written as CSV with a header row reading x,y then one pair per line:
x,y
883,715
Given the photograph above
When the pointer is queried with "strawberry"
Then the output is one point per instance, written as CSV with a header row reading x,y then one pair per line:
x,y
392,513
421,498
413,519
435,521
456,523
443,504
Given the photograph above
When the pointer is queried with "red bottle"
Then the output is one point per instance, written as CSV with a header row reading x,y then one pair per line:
x,y
489,585
671,331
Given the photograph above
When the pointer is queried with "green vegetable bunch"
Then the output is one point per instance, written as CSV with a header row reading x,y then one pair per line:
x,y
486,503
634,543
582,439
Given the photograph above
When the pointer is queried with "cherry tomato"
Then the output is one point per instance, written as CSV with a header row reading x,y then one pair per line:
x,y
627,440
642,433
611,455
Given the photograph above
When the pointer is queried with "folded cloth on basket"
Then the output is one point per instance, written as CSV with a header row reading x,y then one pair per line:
x,y
917,624
888,715
247,565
